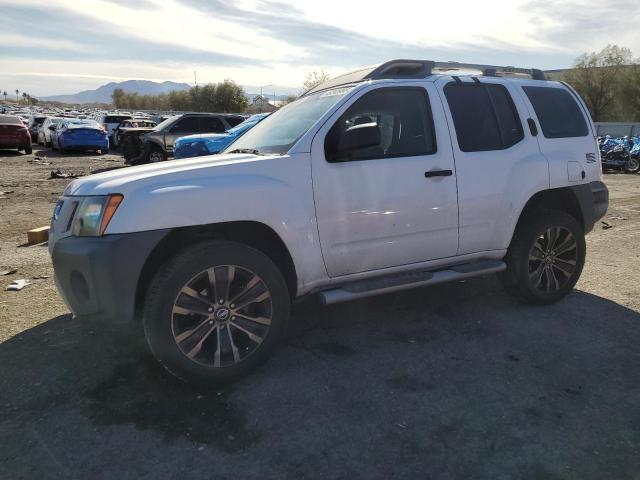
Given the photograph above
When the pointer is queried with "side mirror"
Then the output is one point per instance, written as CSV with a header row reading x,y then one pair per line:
x,y
358,137
52,127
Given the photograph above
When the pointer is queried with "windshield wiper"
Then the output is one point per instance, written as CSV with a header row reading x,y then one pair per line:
x,y
252,151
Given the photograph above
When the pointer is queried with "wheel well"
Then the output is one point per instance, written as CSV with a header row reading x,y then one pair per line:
x,y
562,199
255,234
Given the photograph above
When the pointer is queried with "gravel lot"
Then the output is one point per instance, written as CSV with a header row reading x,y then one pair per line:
x,y
456,381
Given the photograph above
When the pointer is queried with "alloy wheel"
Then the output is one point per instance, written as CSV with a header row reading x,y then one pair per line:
x,y
221,315
155,156
552,259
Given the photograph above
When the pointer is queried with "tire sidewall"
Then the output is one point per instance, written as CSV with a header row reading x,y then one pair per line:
x,y
175,274
523,242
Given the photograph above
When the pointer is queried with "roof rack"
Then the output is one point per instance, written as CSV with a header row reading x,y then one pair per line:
x,y
415,69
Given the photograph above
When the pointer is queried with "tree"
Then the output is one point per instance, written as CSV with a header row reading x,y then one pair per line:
x,y
596,76
17,93
118,97
289,99
5,95
25,97
629,96
315,78
230,97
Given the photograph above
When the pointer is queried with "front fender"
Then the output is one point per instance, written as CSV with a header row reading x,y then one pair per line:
x,y
276,193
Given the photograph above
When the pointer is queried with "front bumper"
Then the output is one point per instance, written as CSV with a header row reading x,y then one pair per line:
x,y
98,276
593,199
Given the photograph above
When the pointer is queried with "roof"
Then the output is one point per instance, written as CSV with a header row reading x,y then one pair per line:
x,y
417,69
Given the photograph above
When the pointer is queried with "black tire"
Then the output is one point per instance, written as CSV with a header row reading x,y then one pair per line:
x,y
28,150
156,154
533,250
632,165
163,326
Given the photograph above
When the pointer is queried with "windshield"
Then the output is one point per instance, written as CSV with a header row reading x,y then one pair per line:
x,y
282,129
164,123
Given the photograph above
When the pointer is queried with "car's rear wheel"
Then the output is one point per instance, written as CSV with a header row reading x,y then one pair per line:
x,y
632,165
28,150
215,312
545,258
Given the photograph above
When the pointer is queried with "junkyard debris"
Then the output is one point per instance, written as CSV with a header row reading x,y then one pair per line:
x,y
18,284
59,174
38,235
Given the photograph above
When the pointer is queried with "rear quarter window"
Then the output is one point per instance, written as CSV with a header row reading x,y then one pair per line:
x,y
558,113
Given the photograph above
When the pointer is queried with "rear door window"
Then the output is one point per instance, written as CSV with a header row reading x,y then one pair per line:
x,y
558,113
484,116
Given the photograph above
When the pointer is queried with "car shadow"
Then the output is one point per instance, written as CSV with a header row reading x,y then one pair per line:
x,y
12,153
451,381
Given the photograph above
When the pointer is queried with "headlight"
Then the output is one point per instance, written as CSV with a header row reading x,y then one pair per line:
x,y
94,214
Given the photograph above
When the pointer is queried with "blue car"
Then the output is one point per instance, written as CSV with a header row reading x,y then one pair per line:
x,y
211,143
81,135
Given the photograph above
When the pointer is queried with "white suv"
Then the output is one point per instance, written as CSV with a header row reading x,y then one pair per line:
x,y
399,176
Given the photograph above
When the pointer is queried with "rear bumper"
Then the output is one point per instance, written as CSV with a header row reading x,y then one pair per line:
x,y
13,142
98,276
10,146
84,143
593,199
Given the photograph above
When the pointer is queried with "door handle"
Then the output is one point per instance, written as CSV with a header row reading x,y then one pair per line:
x,y
438,173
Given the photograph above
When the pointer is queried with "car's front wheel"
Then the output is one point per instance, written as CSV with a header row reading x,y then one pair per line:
x,y
156,154
215,312
545,258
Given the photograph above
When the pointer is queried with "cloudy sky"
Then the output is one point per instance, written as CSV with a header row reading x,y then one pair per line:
x,y
63,46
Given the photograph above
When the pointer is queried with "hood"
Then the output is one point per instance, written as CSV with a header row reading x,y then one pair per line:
x,y
168,174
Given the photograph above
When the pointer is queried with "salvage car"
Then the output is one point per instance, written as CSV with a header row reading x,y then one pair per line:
x,y
81,135
44,130
402,175
212,143
34,123
127,124
158,144
14,134
110,121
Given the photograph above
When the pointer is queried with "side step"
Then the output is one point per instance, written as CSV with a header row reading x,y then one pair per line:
x,y
405,281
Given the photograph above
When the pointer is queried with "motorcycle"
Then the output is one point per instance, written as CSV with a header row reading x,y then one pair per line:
x,y
616,155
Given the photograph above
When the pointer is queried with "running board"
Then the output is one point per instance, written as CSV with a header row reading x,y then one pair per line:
x,y
405,281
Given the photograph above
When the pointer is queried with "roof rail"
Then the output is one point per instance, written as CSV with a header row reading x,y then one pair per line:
x,y
487,70
403,68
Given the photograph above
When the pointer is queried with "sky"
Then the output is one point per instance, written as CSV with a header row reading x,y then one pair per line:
x,y
53,47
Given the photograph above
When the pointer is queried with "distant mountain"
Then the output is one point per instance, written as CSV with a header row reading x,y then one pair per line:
x,y
103,94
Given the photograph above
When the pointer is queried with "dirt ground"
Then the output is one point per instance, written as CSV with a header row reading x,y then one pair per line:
x,y
453,381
